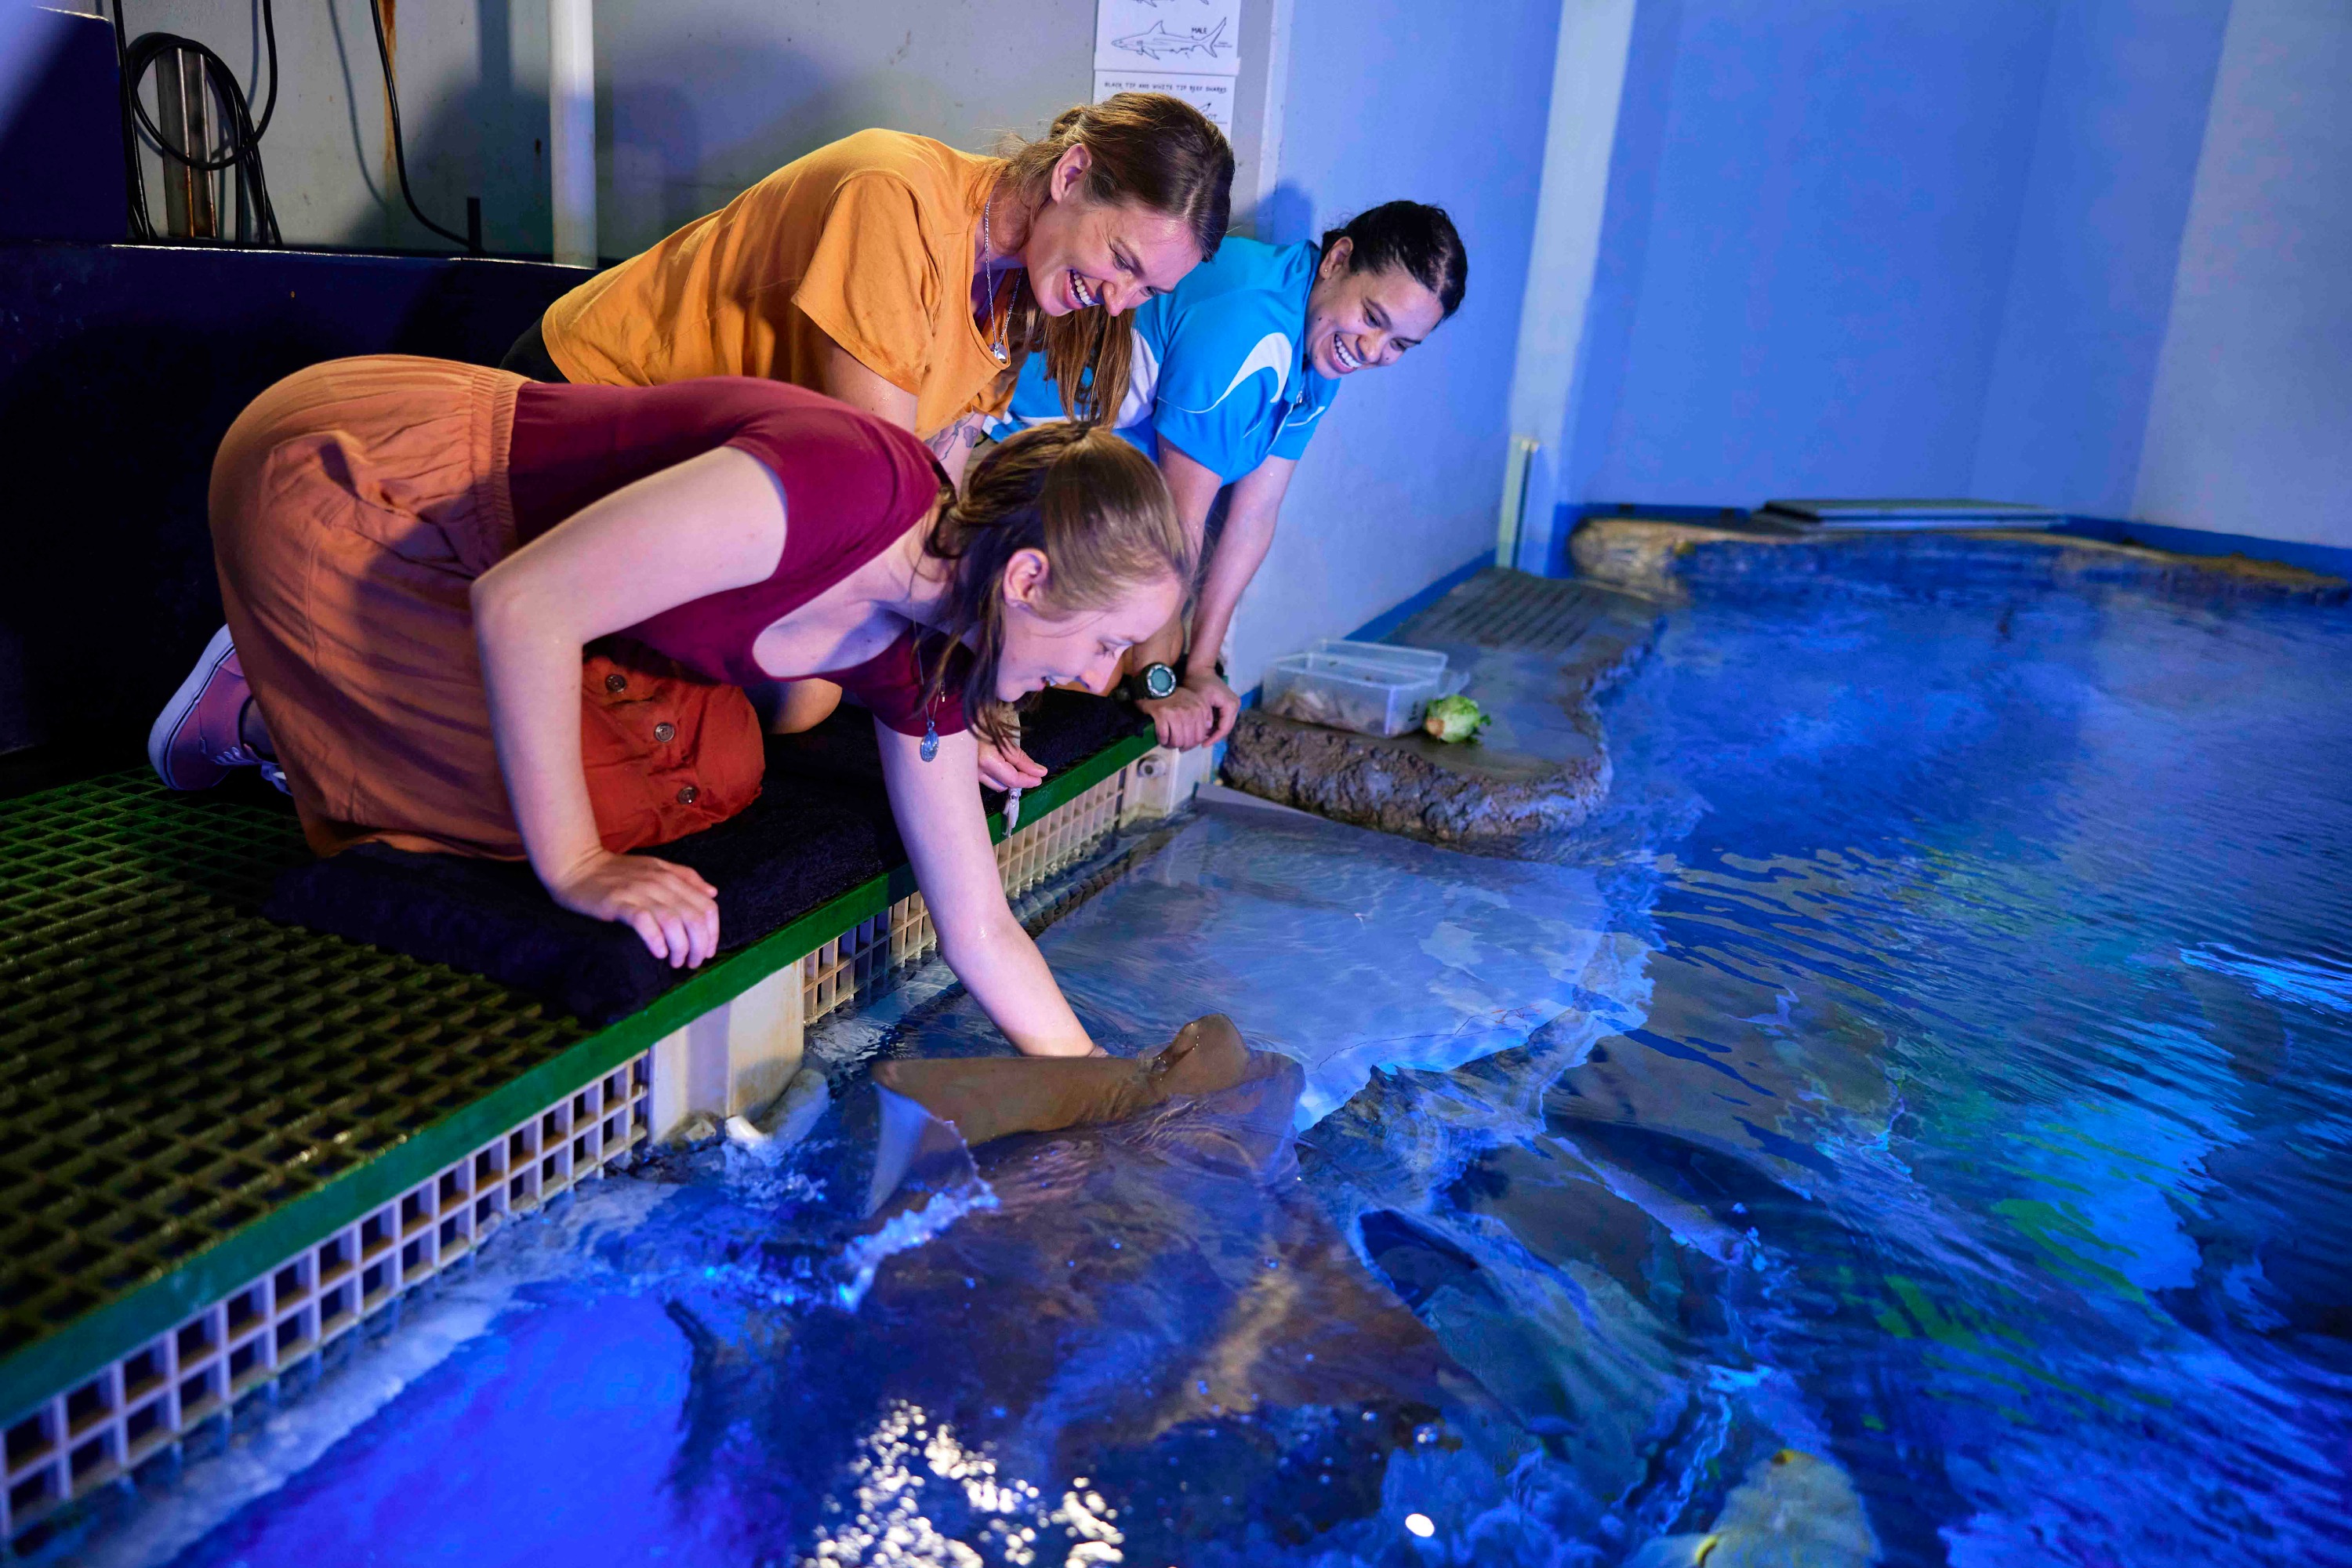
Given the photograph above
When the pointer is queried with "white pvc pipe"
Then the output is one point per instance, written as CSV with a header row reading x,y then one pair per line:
x,y
572,127
1514,500
1588,84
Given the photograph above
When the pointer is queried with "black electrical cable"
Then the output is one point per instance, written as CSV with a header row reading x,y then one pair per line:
x,y
399,151
269,40
243,153
134,182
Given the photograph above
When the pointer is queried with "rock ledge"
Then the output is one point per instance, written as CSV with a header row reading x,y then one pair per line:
x,y
1413,784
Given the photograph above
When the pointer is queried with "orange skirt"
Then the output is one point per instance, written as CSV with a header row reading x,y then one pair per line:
x,y
353,506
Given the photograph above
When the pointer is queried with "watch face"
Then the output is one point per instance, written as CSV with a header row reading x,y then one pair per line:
x,y
1159,680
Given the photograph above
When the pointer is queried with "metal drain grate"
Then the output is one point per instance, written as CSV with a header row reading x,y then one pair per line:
x,y
180,1066
1514,610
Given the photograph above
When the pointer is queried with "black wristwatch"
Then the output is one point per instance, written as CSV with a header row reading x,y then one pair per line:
x,y
1159,681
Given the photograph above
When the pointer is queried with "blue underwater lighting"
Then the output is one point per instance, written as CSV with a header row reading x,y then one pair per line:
x,y
1908,1115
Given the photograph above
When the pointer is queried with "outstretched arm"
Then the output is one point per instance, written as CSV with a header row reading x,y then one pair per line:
x,y
712,522
936,804
1241,550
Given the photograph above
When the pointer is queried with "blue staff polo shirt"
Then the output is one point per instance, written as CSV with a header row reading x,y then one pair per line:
x,y
1220,366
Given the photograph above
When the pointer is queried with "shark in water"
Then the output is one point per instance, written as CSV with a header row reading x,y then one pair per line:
x,y
1793,1511
1147,1300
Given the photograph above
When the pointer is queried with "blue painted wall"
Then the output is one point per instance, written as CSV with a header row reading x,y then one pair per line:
x,y
1813,211
2092,254
2114,161
1618,273
2250,425
1402,485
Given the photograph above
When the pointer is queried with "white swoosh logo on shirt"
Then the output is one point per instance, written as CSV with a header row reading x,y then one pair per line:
x,y
1272,352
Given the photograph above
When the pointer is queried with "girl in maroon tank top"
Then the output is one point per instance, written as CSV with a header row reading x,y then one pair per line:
x,y
423,564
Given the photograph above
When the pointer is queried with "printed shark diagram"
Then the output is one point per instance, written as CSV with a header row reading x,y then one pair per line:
x,y
1157,43
1182,46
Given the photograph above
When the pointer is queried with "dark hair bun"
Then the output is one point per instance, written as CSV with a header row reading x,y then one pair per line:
x,y
1415,238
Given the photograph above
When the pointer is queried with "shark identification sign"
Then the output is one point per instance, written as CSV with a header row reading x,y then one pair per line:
x,y
1191,49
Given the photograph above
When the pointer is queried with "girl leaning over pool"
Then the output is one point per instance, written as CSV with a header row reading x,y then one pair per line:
x,y
416,557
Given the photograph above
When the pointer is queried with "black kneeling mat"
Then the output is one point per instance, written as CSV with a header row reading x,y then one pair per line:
x,y
821,827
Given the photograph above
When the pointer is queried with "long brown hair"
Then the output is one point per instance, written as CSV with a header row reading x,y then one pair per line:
x,y
1091,503
1147,148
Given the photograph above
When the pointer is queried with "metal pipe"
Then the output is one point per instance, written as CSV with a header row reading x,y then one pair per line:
x,y
182,107
572,127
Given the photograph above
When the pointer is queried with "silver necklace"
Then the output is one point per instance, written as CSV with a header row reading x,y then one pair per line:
x,y
998,325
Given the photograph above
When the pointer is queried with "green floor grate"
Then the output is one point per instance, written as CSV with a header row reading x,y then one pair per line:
x,y
178,1067
195,1094
228,1140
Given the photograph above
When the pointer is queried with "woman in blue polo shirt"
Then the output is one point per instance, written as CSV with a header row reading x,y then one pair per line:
x,y
1232,371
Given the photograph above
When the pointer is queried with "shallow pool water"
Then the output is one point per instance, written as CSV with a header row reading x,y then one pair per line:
x,y
1937,1061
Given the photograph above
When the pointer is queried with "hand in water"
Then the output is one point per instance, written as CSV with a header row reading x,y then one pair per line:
x,y
1008,767
674,911
1199,712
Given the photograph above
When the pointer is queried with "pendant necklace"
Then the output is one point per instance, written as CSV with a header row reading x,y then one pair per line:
x,y
998,325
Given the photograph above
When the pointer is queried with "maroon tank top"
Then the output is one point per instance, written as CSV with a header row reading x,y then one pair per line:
x,y
853,484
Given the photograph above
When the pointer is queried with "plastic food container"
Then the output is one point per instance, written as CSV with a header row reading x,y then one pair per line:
x,y
1372,695
1421,660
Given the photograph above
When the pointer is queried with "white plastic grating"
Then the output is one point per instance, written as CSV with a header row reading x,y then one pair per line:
x,y
859,961
104,1428
159,1394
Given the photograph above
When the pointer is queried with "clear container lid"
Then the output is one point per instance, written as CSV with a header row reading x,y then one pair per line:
x,y
1428,661
1353,671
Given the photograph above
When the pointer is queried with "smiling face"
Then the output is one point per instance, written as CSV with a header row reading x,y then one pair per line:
x,y
1081,252
1047,647
1360,320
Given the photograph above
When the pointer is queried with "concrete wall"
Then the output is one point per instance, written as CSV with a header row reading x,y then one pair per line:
x,y
2093,254
1813,211
473,77
696,99
2090,292
1385,101
2250,425
700,99
1554,361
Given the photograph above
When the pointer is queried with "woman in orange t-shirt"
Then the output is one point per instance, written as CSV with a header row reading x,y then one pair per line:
x,y
903,276
910,279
